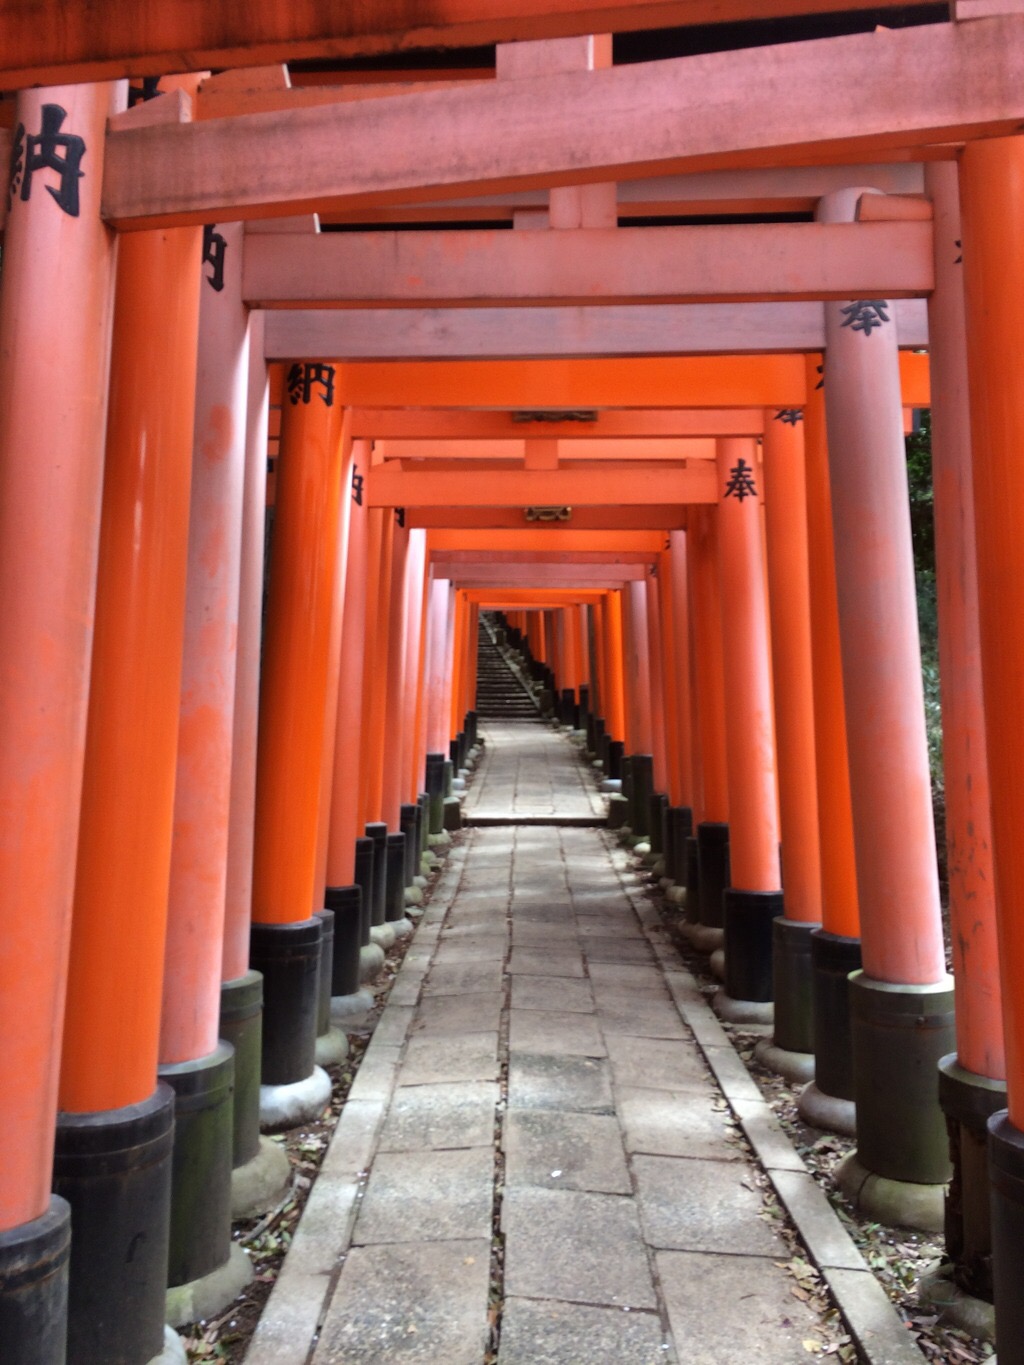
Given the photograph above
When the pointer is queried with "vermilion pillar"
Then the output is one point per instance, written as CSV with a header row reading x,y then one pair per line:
x,y
789,595
198,1067
260,1167
709,694
900,1131
293,697
115,1115
638,689
835,948
346,822
615,707
754,898
441,611
55,310
992,195
972,1080
682,850
659,723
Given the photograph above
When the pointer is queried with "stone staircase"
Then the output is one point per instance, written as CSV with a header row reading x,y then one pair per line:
x,y
500,691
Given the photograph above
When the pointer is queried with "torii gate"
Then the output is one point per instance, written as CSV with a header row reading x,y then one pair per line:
x,y
158,170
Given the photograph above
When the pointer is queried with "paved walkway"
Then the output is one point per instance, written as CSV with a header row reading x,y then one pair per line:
x,y
529,775
546,1143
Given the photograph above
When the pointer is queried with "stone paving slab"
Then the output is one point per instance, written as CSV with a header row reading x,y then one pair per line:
x,y
587,1248
458,1114
450,1057
564,1151
470,1013
623,1013
427,1197
704,1295
464,978
631,951
560,1333
555,1032
674,1123
530,934
692,1205
414,1303
580,1084
555,961
547,993
655,1064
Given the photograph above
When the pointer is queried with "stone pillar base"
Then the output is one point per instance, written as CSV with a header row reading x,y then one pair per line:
x,y
371,960
331,1047
742,1011
795,1067
702,938
383,935
173,1353
955,1306
210,1294
286,1106
830,1113
893,1203
260,1184
348,1007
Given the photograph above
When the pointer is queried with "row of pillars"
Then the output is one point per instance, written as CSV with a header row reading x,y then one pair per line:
x,y
764,686
221,777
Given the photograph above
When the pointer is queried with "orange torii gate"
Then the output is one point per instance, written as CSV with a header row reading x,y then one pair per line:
x,y
162,171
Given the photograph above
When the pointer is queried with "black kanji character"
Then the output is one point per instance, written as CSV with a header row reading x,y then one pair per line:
x,y
400,516
303,377
789,416
214,248
741,485
49,150
357,486
865,315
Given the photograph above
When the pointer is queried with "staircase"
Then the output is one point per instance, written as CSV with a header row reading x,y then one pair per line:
x,y
500,693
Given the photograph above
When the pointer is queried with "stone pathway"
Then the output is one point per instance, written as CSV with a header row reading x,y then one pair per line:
x,y
528,775
546,1069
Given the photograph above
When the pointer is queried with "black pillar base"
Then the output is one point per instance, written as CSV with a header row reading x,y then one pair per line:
x,y
408,823
793,975
616,754
748,921
1006,1164
114,1169
968,1102
394,897
656,809
347,904
642,770
288,955
377,830
692,878
435,791
34,1288
363,875
712,871
833,958
241,1025
200,1240
680,829
900,1034
325,971
423,827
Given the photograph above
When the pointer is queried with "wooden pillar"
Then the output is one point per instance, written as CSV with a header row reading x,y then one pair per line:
x,y
785,510
293,700
992,196
109,1098
900,1131
192,1060
55,310
680,671
709,694
754,898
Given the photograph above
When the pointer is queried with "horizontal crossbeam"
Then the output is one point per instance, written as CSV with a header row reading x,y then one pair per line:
x,y
846,98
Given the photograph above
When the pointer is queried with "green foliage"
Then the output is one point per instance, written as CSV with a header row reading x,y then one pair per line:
x,y
919,487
